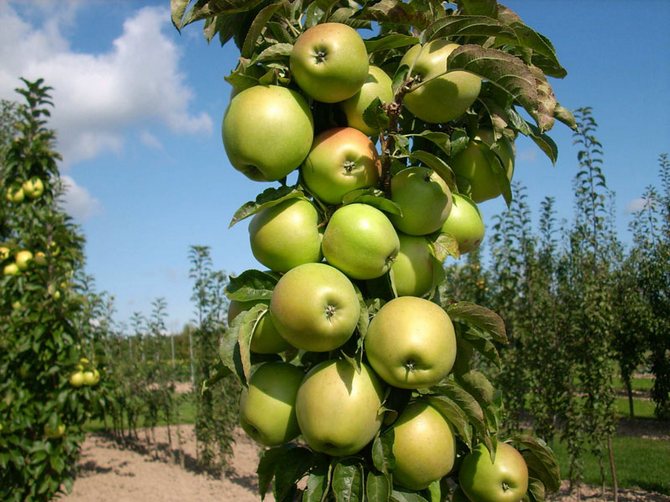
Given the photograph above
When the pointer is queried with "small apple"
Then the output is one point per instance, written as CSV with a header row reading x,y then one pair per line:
x,y
505,480
315,307
17,305
377,85
440,95
267,132
267,406
40,258
56,433
4,253
77,378
329,62
424,446
341,160
23,258
464,223
15,194
266,339
339,407
413,270
424,198
411,343
33,188
286,235
11,269
360,241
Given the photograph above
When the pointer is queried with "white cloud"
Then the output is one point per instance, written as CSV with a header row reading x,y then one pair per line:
x,y
77,201
98,96
528,155
636,205
150,140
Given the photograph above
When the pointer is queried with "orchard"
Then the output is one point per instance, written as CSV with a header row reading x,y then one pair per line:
x,y
381,126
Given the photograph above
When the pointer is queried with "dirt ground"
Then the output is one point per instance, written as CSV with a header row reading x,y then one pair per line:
x,y
111,472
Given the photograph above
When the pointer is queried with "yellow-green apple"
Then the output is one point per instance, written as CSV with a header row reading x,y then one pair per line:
x,y
54,432
4,253
77,378
440,95
424,198
505,480
265,339
33,187
411,343
267,131
360,241
413,270
377,85
22,258
464,223
315,307
286,235
339,407
15,194
11,269
329,62
424,446
267,406
341,160
40,258
90,377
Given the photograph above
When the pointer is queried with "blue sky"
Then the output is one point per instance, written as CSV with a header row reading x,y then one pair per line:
x,y
138,112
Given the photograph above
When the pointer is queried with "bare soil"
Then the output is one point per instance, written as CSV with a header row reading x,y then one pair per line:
x,y
143,472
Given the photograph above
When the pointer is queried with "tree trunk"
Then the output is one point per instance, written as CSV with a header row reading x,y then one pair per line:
x,y
615,483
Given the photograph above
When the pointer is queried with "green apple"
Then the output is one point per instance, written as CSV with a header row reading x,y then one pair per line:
x,y
329,62
54,433
40,258
377,85
90,377
441,95
266,339
360,241
464,223
424,446
424,198
411,343
33,188
339,407
267,132
77,378
4,253
315,307
505,480
11,269
267,406
15,194
22,258
341,160
413,270
286,235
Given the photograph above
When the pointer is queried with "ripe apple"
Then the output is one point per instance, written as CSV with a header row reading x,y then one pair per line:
x,y
377,85
505,480
77,378
414,268
33,188
90,377
329,62
15,194
464,223
22,258
424,446
11,269
411,343
286,235
267,406
339,408
441,95
341,160
40,258
267,132
56,433
425,200
360,241
315,307
4,253
266,339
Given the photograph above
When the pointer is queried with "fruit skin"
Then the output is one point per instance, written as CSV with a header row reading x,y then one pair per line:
x,y
315,307
91,377
506,480
267,406
464,223
33,188
425,200
338,408
377,85
40,258
56,433
414,268
11,269
267,132
77,379
424,446
341,160
15,194
22,258
360,241
329,62
411,343
443,96
266,339
4,253
286,235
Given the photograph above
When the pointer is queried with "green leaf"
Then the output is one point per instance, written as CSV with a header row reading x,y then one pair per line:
x,y
382,452
466,26
439,139
375,116
400,495
251,285
536,490
257,26
544,54
348,480
444,245
318,482
541,461
234,348
454,415
436,164
480,317
479,7
482,344
294,466
372,197
565,116
389,41
468,404
267,466
476,383
268,198
378,487
275,51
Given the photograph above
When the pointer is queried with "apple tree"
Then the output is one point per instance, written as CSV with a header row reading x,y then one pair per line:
x,y
382,125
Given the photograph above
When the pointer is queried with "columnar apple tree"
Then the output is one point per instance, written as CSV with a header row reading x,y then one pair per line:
x,y
381,124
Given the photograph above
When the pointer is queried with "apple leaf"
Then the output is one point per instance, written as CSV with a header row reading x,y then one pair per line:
x,y
372,197
256,29
479,7
468,404
400,495
390,41
382,452
444,245
275,51
318,11
234,348
267,198
544,141
378,487
565,116
482,344
476,383
536,490
251,285
347,484
454,415
480,317
397,12
541,461
318,482
463,26
546,100
500,174
288,470
436,164
375,116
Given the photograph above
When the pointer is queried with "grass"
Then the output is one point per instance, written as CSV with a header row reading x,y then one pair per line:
x,y
641,384
643,408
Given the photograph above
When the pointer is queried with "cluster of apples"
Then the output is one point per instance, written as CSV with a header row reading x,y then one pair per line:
x,y
32,188
21,261
319,307
85,374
